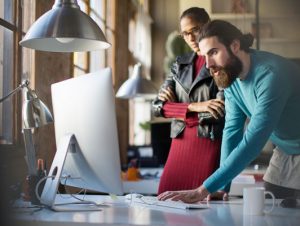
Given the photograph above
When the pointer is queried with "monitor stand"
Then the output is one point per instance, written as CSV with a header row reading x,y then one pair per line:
x,y
53,180
48,196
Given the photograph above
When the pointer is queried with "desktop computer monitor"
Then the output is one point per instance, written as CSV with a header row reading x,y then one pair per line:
x,y
87,153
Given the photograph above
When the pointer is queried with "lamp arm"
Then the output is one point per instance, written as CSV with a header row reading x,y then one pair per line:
x,y
25,83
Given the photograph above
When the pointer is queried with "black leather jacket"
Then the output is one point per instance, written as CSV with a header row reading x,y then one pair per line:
x,y
203,88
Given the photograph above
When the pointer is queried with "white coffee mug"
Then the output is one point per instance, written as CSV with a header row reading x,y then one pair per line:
x,y
254,201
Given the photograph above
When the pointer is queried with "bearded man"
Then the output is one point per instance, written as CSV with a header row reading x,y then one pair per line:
x,y
263,87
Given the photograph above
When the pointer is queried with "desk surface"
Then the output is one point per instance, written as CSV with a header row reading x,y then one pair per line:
x,y
125,213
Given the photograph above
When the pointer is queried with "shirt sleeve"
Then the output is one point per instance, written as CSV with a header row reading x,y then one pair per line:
x,y
240,148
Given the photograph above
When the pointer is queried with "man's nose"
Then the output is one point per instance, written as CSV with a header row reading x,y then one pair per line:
x,y
209,62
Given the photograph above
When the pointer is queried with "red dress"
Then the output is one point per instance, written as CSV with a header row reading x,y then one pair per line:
x,y
191,158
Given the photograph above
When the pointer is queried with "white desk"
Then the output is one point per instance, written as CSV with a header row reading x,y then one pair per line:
x,y
223,213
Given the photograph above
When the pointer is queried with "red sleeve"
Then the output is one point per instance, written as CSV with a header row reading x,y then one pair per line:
x,y
175,110
179,110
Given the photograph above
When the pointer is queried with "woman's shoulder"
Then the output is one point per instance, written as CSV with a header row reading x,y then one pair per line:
x,y
187,58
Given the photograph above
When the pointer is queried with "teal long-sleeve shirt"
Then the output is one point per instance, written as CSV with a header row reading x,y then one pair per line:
x,y
270,97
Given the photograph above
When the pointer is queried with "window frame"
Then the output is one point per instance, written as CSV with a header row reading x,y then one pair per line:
x,y
84,65
16,27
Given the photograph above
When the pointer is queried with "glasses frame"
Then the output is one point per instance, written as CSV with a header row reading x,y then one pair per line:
x,y
193,31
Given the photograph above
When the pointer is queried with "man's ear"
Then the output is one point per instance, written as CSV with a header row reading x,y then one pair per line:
x,y
235,46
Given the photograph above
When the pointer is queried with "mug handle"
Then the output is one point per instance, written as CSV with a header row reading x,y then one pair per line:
x,y
273,201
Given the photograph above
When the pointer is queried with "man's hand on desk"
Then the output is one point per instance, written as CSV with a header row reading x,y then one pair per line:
x,y
194,195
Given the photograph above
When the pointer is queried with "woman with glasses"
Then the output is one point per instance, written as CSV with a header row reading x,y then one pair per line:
x,y
191,98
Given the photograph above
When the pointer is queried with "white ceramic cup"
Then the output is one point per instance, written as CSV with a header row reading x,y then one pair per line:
x,y
254,201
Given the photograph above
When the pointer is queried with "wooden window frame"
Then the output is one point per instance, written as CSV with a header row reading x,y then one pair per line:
x,y
16,27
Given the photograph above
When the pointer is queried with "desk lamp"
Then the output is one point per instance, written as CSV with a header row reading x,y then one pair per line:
x,y
137,86
65,28
34,114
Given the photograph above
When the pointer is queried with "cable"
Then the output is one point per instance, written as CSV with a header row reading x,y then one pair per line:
x,y
38,185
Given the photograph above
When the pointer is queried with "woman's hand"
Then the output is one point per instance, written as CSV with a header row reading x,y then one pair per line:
x,y
215,106
187,196
166,95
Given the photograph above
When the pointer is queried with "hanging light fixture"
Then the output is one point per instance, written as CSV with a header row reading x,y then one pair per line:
x,y
137,86
65,28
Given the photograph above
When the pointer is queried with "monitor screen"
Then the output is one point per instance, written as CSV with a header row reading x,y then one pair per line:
x,y
87,153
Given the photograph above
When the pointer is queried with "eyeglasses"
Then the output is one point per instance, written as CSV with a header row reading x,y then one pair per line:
x,y
194,31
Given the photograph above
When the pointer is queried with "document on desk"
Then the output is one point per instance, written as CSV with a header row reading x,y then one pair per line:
x,y
153,201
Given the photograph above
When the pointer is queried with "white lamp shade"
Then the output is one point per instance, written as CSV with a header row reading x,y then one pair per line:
x,y
65,28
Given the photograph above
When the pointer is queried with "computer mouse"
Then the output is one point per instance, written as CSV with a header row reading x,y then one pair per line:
x,y
289,203
133,196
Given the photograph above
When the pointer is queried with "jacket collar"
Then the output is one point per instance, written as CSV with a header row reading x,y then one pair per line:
x,y
203,74
188,59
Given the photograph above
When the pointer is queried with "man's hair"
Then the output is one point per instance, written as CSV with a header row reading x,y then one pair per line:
x,y
226,34
197,14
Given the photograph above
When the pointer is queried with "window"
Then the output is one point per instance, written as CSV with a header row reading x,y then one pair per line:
x,y
6,81
140,49
11,22
85,62
7,29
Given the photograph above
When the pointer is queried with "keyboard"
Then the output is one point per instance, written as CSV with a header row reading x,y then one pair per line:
x,y
151,200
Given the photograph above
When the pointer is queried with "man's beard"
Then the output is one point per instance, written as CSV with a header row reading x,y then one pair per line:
x,y
227,74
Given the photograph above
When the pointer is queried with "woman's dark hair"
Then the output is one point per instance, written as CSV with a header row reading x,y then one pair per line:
x,y
226,33
196,14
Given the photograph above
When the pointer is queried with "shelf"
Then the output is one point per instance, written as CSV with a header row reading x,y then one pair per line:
x,y
278,22
231,16
279,40
280,16
283,47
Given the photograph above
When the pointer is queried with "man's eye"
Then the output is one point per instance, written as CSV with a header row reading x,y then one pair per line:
x,y
213,52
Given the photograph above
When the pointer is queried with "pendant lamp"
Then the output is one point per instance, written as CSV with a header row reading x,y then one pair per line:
x,y
65,28
137,86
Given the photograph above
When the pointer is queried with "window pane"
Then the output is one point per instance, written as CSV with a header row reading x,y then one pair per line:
x,y
78,72
6,10
80,63
27,65
141,116
94,60
97,13
97,58
28,14
6,79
